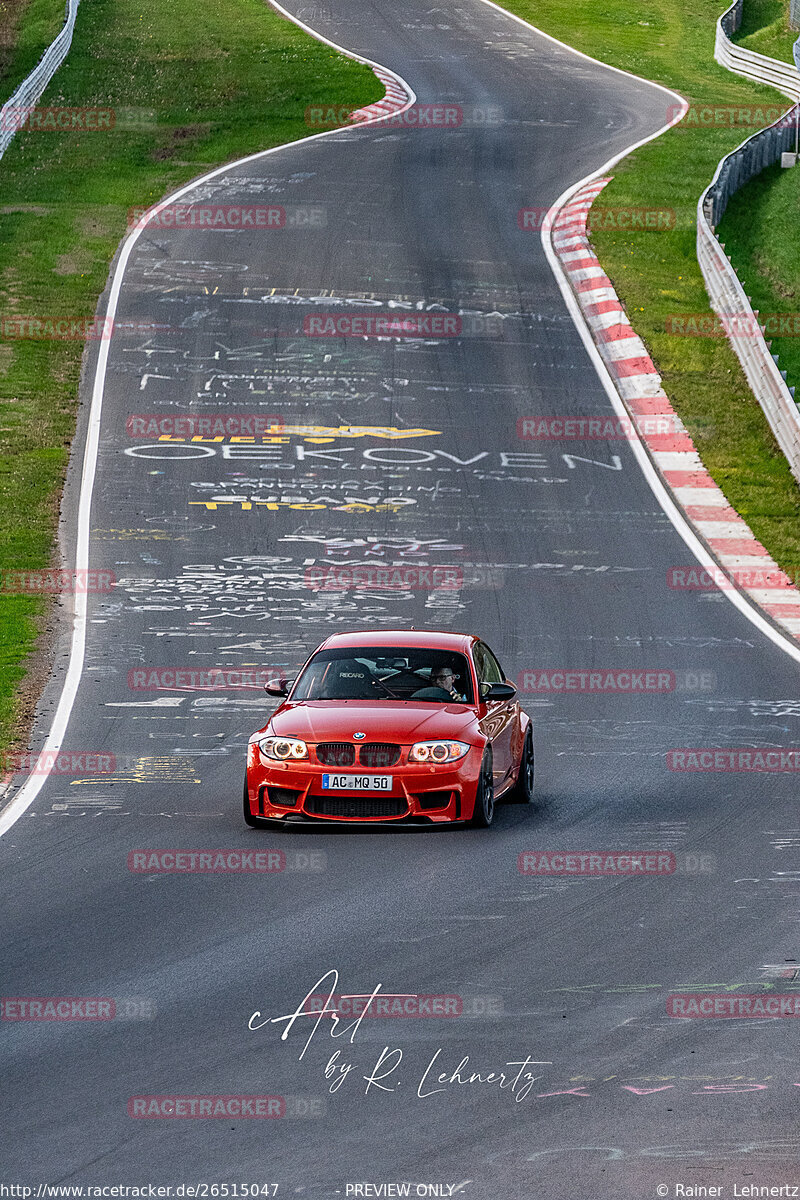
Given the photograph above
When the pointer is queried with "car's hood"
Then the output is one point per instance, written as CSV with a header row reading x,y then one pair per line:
x,y
403,721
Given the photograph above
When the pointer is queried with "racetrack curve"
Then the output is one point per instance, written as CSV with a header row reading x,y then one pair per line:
x,y
564,553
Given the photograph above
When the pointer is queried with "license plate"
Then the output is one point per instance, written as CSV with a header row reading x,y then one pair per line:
x,y
357,783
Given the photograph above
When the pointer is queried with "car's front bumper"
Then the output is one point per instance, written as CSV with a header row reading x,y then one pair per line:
x,y
420,792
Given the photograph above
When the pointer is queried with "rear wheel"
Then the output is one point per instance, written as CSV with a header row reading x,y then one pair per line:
x,y
483,813
522,791
249,819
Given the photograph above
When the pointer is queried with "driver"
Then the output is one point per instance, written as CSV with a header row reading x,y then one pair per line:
x,y
444,677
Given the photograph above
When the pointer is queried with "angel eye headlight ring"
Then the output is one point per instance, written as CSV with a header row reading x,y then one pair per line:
x,y
283,749
437,751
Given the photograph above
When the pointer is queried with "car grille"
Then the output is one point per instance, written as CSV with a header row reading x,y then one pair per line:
x,y
336,754
378,754
356,806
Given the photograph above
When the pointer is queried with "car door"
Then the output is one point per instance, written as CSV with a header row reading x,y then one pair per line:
x,y
497,716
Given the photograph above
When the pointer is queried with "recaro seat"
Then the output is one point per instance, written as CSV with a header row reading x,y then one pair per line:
x,y
349,680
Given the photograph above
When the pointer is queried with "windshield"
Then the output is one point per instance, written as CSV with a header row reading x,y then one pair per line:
x,y
386,673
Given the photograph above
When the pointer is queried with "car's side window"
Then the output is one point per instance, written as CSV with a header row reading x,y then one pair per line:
x,y
480,662
492,671
487,666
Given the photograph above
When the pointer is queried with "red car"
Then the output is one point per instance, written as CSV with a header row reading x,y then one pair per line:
x,y
399,725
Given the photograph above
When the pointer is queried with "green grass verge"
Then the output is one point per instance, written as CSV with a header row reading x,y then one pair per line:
x,y
656,274
223,79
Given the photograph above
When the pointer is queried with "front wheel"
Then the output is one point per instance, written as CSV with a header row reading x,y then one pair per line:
x,y
249,819
522,792
483,813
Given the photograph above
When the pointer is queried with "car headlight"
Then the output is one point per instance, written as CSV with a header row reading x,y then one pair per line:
x,y
437,752
283,749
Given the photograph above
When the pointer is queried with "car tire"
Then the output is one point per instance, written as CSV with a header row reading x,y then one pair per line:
x,y
483,812
249,819
523,790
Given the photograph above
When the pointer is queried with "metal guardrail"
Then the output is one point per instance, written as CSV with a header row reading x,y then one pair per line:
x,y
758,67
727,295
746,336
760,150
30,90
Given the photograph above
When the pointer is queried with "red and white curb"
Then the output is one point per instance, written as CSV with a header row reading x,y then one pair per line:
x,y
396,98
728,537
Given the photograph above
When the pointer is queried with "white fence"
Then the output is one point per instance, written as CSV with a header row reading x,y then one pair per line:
x,y
727,295
30,90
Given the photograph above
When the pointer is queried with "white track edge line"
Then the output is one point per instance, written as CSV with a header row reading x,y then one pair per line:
x,y
54,740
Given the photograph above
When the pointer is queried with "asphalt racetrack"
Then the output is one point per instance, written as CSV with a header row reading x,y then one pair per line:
x,y
561,554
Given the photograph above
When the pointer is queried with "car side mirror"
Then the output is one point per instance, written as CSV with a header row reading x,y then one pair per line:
x,y
498,691
278,687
